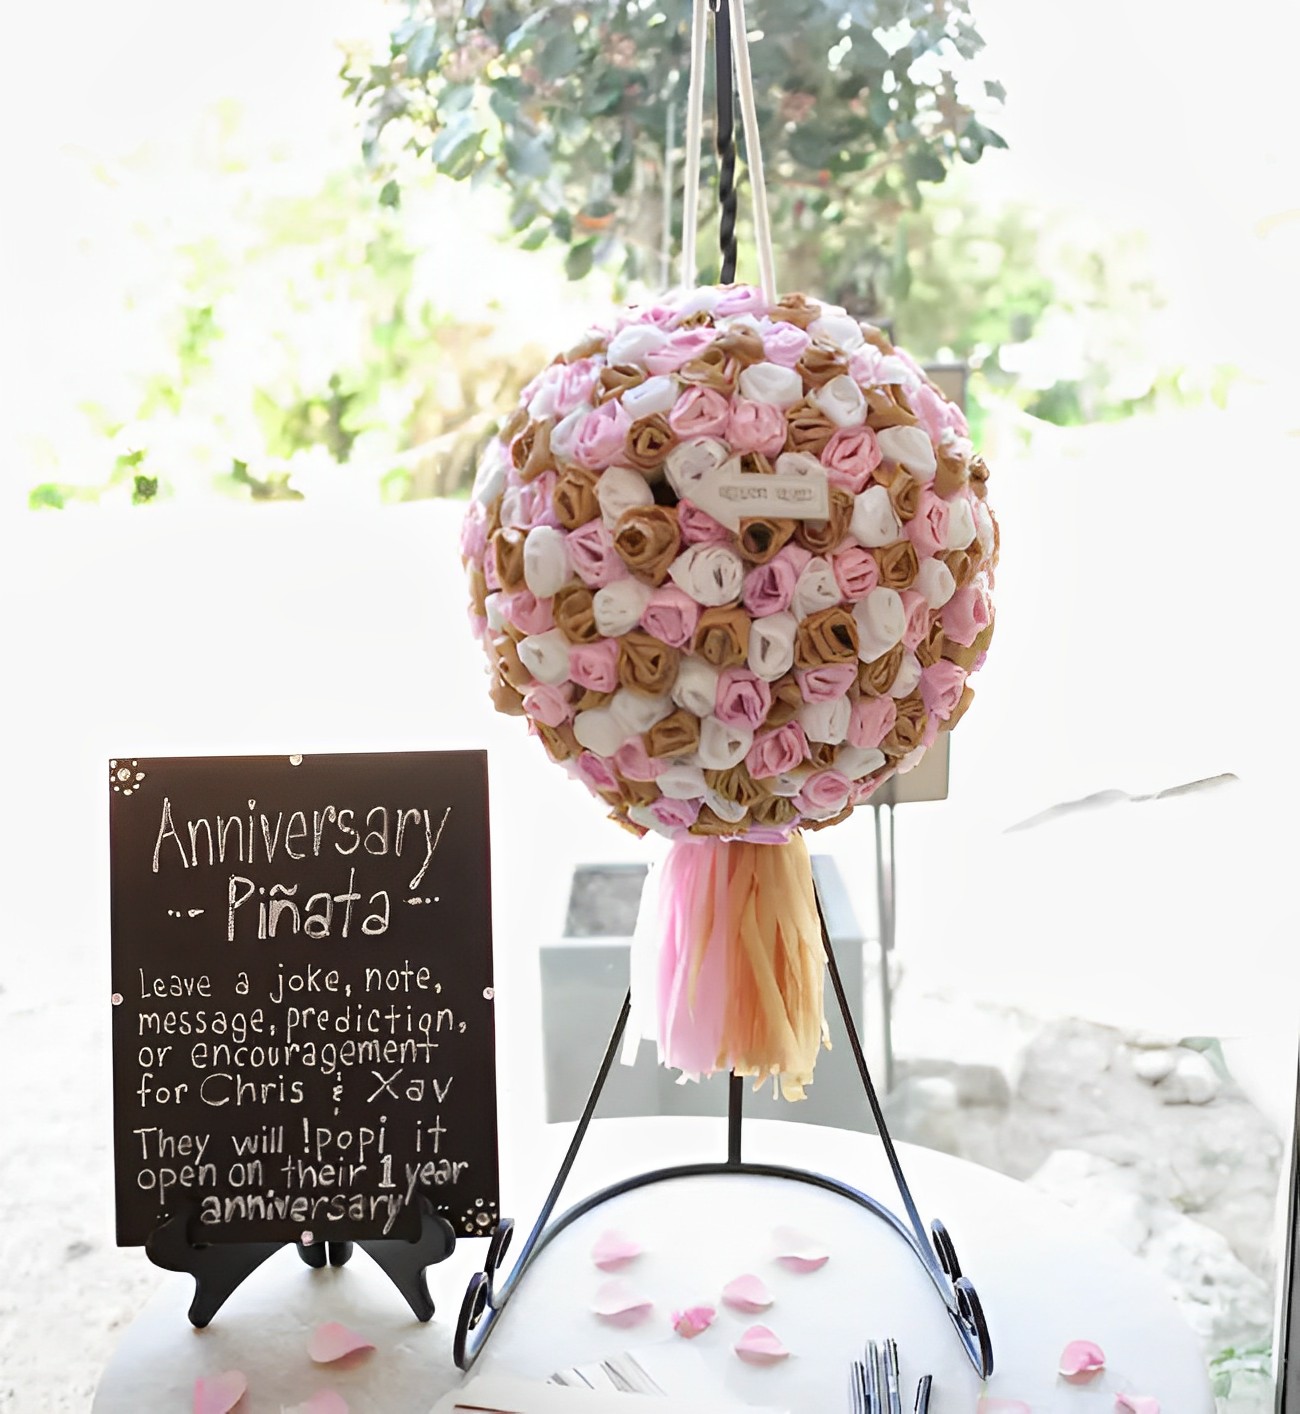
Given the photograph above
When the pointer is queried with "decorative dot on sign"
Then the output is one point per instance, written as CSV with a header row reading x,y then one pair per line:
x,y
117,999
308,1238
296,759
124,773
489,993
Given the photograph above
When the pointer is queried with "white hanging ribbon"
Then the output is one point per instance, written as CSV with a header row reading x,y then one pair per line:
x,y
694,137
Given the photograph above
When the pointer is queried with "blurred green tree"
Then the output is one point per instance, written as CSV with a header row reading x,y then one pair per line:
x,y
575,107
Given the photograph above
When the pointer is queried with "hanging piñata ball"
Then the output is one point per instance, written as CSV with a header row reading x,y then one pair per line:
x,y
733,561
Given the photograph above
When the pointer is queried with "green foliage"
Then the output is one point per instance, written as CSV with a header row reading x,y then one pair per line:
x,y
568,107
1251,1362
298,349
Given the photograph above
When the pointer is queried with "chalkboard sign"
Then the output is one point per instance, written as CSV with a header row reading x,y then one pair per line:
x,y
303,1038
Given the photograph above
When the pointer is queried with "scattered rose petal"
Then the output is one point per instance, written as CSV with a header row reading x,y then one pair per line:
x,y
1001,1406
616,1301
324,1401
1137,1403
332,1341
612,1250
693,1321
760,1346
747,1293
218,1394
798,1251
1081,1360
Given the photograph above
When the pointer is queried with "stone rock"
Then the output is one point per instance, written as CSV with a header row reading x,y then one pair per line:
x,y
1155,1064
926,1109
1194,1081
1223,1301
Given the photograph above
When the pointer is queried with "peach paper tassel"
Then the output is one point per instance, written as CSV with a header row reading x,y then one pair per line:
x,y
741,961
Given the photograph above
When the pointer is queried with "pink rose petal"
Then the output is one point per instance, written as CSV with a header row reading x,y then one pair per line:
x,y
612,1250
332,1341
1137,1403
218,1394
760,1346
1002,1406
1081,1360
617,1302
693,1321
324,1401
747,1293
799,1252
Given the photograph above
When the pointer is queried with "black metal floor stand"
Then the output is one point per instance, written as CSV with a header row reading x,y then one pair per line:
x,y
489,1291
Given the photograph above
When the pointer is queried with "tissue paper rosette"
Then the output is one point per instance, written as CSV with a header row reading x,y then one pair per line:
x,y
732,560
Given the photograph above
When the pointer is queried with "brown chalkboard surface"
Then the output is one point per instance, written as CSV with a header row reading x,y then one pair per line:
x,y
303,1039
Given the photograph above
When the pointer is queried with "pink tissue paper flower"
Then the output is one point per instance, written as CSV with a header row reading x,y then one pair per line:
x,y
941,688
871,721
591,551
827,682
777,751
743,699
855,571
527,612
698,527
549,703
785,344
965,615
700,412
756,427
594,773
671,616
850,457
928,528
595,665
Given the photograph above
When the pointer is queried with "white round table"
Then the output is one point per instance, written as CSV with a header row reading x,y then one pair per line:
x,y
1043,1279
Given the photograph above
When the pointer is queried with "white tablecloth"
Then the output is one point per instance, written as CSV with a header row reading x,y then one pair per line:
x,y
1043,1280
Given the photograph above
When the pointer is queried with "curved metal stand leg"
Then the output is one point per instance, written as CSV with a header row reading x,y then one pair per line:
x,y
485,1299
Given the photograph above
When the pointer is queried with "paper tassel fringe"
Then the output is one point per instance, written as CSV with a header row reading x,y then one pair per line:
x,y
740,962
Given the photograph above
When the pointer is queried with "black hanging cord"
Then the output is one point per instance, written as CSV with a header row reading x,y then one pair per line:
x,y
726,140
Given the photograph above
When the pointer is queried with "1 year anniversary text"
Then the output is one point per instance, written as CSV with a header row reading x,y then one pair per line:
x,y
303,1033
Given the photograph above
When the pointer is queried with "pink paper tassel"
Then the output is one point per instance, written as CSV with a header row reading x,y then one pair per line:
x,y
692,957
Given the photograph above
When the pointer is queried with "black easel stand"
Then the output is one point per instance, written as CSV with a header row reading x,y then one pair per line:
x,y
486,1297
218,1268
